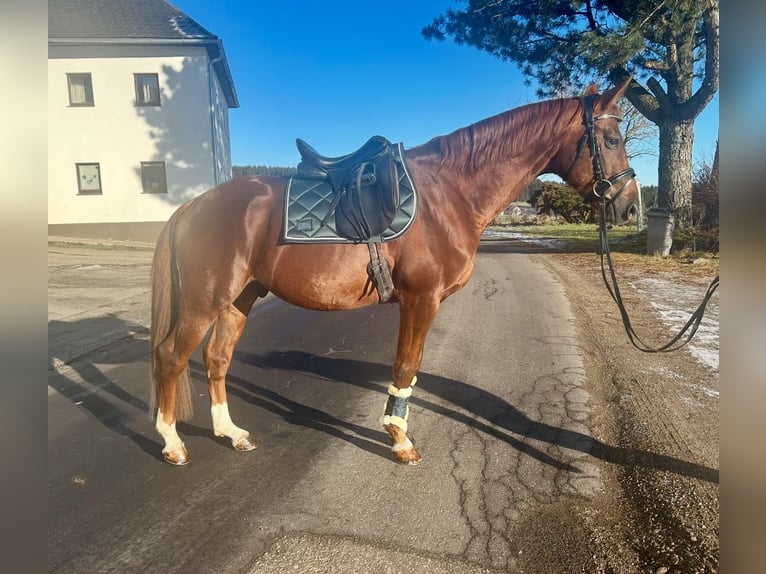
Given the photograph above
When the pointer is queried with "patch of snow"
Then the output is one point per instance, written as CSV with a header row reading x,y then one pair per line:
x,y
674,305
696,388
668,373
552,243
711,393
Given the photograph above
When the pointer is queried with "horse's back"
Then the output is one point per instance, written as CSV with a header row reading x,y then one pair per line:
x,y
234,196
223,212
218,234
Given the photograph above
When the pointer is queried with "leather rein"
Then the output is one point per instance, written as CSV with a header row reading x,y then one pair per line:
x,y
602,192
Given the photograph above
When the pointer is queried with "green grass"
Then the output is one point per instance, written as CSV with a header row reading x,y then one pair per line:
x,y
689,244
582,236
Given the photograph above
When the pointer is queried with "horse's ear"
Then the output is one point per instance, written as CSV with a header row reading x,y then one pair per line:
x,y
613,95
590,90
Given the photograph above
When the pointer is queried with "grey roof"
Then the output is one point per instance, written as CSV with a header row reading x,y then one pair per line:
x,y
134,22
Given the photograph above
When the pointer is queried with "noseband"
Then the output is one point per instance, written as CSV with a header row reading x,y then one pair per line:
x,y
602,186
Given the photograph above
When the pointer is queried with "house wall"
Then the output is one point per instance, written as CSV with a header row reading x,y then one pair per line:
x,y
220,132
119,135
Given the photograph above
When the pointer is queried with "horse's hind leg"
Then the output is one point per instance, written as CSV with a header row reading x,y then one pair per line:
x,y
415,317
217,354
171,375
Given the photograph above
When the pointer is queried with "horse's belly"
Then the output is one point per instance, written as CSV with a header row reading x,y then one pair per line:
x,y
323,277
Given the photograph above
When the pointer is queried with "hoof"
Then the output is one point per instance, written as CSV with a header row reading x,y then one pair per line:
x,y
407,456
403,450
246,443
177,457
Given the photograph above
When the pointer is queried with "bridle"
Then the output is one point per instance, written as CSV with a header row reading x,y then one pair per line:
x,y
602,185
602,192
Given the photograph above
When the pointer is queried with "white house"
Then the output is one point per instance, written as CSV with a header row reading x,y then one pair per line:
x,y
138,116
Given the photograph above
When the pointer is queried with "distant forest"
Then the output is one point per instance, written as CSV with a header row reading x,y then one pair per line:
x,y
238,170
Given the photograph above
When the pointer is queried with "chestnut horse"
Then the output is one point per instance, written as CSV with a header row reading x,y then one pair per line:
x,y
221,251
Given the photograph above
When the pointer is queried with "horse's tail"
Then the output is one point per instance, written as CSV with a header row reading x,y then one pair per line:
x,y
165,308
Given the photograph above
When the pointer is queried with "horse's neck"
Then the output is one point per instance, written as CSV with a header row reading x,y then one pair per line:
x,y
497,158
499,185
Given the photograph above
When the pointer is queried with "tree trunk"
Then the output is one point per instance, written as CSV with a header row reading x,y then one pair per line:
x,y
675,169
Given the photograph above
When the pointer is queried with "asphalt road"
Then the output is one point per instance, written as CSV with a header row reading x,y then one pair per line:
x,y
501,414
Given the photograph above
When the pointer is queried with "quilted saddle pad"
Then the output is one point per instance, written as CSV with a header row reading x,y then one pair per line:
x,y
308,203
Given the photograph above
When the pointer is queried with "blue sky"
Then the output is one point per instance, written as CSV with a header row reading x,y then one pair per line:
x,y
336,73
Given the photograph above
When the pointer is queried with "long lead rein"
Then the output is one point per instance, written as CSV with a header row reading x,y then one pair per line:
x,y
675,343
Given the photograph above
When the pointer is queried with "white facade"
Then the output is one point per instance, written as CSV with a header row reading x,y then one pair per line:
x,y
188,131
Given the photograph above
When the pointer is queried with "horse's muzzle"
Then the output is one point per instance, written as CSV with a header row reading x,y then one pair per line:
x,y
620,212
617,197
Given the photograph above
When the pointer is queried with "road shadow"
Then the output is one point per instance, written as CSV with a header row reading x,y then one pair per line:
x,y
492,415
294,413
532,245
85,385
511,245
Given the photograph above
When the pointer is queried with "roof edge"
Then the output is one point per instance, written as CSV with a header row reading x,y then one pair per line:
x,y
86,41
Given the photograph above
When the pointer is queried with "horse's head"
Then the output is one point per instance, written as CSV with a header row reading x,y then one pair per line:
x,y
598,165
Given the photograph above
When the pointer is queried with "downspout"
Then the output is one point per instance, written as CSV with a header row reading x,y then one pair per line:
x,y
213,138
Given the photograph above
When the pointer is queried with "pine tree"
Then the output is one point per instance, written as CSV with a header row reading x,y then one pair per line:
x,y
564,45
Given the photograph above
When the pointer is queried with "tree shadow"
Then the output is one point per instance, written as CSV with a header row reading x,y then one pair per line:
x,y
529,245
492,415
181,130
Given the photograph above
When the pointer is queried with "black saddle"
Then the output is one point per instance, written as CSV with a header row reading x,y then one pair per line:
x,y
365,185
372,148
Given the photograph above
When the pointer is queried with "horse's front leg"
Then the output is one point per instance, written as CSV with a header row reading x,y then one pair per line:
x,y
416,313
217,354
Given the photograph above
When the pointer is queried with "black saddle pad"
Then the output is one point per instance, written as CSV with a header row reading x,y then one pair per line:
x,y
308,202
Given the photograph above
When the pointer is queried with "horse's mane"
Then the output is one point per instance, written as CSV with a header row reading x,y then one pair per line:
x,y
504,135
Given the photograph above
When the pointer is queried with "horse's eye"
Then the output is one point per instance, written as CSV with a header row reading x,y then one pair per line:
x,y
612,142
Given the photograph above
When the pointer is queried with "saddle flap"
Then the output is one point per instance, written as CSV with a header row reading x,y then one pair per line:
x,y
369,199
388,186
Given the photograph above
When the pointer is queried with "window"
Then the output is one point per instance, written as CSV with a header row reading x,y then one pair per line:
x,y
153,177
80,89
88,178
147,89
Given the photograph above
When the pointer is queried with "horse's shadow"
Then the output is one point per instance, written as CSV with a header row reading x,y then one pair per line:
x,y
78,379
296,413
476,407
